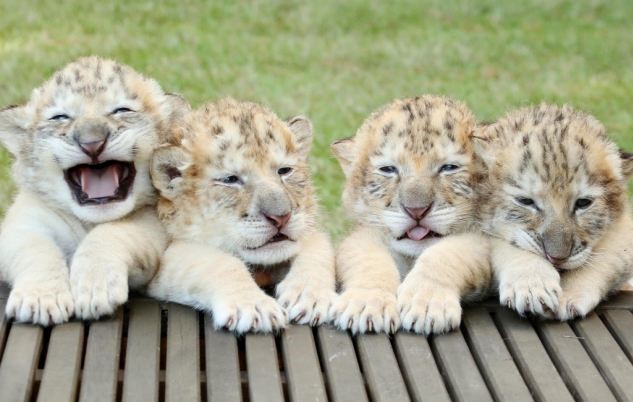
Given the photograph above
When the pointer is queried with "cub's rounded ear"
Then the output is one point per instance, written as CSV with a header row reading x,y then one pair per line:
x,y
178,105
167,167
344,150
627,163
302,129
13,133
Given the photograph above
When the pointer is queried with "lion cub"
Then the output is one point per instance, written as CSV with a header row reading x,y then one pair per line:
x,y
412,187
558,206
236,198
83,226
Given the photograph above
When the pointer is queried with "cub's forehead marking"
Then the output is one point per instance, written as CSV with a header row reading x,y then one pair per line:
x,y
424,129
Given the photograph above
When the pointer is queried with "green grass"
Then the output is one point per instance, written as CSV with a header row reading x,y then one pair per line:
x,y
337,61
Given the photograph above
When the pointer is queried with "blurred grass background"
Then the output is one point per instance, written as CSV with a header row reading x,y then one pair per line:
x,y
337,61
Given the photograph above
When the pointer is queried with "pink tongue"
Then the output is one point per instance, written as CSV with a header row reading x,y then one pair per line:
x,y
417,233
99,183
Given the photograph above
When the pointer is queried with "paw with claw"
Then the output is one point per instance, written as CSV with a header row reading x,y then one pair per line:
x,y
44,303
98,287
428,308
534,292
248,311
365,310
305,303
576,304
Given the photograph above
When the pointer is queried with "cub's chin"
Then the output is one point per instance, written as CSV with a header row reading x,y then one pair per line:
x,y
275,251
412,248
100,213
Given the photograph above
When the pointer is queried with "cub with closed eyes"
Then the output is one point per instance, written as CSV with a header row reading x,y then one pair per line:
x,y
558,211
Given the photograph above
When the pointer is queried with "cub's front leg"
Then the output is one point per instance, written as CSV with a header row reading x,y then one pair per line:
x,y
429,298
369,278
34,264
527,282
112,257
211,280
308,289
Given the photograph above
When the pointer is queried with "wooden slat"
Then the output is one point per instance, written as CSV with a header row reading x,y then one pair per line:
x,y
19,362
458,367
621,323
305,381
531,357
344,379
142,355
495,361
419,368
101,365
381,368
605,351
263,374
182,375
573,362
63,360
222,365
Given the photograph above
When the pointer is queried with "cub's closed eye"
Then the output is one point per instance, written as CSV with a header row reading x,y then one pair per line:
x,y
60,117
230,180
284,170
388,169
121,110
583,203
528,202
449,167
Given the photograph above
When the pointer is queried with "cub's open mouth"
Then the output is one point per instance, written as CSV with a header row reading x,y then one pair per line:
x,y
418,233
275,239
100,183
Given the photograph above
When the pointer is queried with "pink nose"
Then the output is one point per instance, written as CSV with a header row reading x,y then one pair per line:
x,y
279,221
417,213
92,149
555,260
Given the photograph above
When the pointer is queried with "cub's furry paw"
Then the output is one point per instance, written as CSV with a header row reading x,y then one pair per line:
x,y
576,304
97,289
535,293
427,309
44,303
246,311
305,303
365,310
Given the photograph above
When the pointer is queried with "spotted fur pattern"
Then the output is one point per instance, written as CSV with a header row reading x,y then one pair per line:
x,y
47,230
230,168
414,154
558,202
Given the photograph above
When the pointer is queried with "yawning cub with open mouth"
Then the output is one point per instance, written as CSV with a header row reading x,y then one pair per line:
x,y
83,224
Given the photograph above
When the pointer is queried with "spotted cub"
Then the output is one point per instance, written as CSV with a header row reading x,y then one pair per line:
x,y
236,199
559,210
83,225
412,187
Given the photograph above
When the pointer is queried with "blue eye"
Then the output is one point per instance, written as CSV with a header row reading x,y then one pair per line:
x,y
60,117
230,180
121,110
448,167
389,169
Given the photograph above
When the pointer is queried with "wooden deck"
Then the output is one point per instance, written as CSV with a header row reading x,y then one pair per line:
x,y
155,352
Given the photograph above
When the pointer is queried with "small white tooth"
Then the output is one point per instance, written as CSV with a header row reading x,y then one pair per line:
x,y
115,175
126,172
